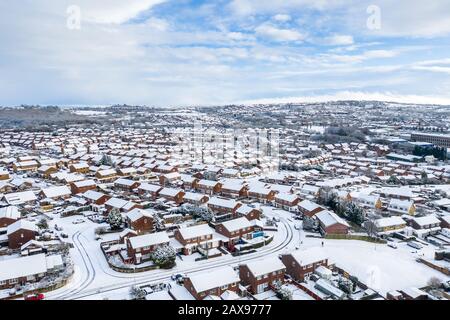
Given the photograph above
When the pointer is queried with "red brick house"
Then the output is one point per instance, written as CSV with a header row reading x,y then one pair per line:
x,y
172,194
209,186
82,186
149,190
261,275
234,189
309,208
212,283
8,215
331,223
140,220
140,248
223,208
300,264
234,230
287,201
251,213
79,168
20,232
195,198
126,184
97,198
261,194
196,238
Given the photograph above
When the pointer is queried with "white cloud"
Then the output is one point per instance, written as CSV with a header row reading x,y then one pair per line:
x,y
114,11
282,35
340,40
282,17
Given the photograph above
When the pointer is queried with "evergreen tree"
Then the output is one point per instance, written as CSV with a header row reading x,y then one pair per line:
x,y
115,219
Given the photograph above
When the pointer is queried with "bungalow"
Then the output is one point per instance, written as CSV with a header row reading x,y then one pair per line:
x,y
424,226
196,238
20,232
8,215
287,201
47,171
402,206
149,190
369,201
195,198
230,173
234,230
223,208
386,225
209,186
140,248
309,208
58,192
262,275
300,264
20,198
403,193
172,194
126,184
212,282
19,271
140,220
82,186
331,223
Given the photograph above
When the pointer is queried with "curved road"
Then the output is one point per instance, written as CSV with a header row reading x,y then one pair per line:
x,y
82,290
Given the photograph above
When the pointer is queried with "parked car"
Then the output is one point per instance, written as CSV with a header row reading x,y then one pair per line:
x,y
415,245
392,245
78,221
64,235
35,297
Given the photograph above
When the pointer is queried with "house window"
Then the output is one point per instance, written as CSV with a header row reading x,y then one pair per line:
x,y
2,282
12,281
224,287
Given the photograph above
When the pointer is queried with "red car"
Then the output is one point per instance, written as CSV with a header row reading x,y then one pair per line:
x,y
36,296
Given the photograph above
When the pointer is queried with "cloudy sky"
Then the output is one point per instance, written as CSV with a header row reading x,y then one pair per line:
x,y
181,52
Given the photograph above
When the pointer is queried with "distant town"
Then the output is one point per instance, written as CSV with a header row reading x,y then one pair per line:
x,y
344,200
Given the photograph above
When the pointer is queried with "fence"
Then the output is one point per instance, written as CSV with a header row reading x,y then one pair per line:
x,y
354,237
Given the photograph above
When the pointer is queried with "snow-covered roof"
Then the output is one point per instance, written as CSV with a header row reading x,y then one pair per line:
x,y
170,192
329,218
214,278
150,187
426,220
84,183
116,203
21,224
58,191
196,231
11,212
149,239
124,182
137,213
309,256
194,196
224,203
93,195
289,197
22,267
389,222
237,224
17,198
308,205
266,266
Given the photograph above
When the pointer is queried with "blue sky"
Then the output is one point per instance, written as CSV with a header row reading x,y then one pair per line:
x,y
172,53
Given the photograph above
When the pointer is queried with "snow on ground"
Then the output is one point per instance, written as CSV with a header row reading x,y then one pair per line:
x,y
377,265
